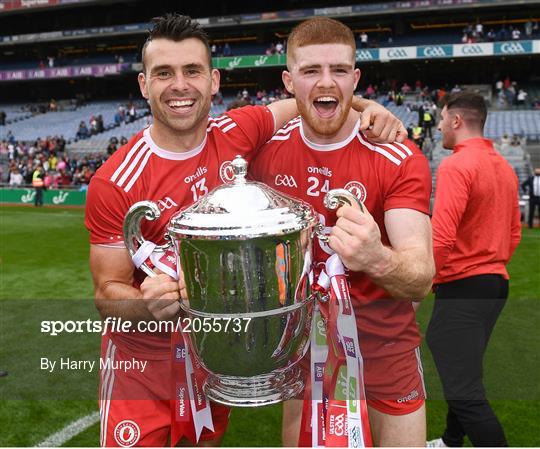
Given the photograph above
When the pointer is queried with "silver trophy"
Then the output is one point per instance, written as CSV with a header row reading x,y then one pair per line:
x,y
246,252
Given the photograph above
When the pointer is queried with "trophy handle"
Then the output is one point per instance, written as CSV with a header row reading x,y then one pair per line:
x,y
132,230
332,200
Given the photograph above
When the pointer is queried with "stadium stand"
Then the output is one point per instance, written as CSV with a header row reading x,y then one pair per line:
x,y
62,123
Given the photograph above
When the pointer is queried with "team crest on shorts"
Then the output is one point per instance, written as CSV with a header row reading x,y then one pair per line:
x,y
357,189
226,172
127,433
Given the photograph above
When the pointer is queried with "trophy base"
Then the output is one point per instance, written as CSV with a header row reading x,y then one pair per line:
x,y
266,389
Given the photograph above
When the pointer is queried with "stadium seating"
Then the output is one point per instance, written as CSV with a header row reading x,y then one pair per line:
x,y
62,123
520,122
99,142
524,123
15,113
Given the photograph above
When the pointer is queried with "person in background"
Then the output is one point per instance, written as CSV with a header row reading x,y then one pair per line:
x,y
38,182
476,228
15,178
532,187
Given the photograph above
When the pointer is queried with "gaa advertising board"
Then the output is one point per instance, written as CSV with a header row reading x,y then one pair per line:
x,y
510,48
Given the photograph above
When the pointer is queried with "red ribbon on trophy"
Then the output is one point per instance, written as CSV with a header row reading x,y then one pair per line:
x,y
187,396
335,410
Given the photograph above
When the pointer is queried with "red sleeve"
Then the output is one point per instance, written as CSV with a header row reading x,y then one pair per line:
x,y
258,167
106,208
452,194
256,124
410,188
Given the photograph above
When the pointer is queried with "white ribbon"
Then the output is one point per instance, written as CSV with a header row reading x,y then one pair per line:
x,y
144,251
348,335
319,353
346,325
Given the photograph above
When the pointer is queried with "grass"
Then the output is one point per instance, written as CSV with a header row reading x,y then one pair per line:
x,y
44,275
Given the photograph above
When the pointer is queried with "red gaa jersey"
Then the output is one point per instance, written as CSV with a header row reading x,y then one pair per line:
x,y
141,170
383,177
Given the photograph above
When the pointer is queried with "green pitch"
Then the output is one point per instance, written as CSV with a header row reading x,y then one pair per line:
x,y
44,275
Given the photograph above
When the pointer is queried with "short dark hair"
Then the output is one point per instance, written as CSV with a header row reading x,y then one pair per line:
x,y
472,107
176,27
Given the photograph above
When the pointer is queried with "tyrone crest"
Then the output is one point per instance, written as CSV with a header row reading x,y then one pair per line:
x,y
357,189
127,433
226,172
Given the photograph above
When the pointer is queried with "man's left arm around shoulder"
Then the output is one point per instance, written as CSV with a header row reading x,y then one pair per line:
x,y
405,269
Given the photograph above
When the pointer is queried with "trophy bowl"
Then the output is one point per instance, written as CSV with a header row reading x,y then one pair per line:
x,y
246,254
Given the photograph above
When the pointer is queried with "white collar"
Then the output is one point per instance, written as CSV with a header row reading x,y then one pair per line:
x,y
172,155
329,146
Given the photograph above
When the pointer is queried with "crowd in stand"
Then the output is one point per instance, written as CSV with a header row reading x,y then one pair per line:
x,y
62,170
95,127
509,93
473,33
49,155
278,48
393,92
219,50
124,114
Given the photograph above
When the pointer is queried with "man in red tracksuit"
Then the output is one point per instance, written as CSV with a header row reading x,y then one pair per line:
x,y
476,228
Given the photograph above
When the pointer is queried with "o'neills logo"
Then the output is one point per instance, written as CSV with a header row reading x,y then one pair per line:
x,y
200,398
412,395
325,171
127,433
200,171
337,425
226,172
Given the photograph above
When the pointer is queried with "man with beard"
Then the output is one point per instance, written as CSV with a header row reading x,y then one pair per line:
x,y
387,248
178,159
476,229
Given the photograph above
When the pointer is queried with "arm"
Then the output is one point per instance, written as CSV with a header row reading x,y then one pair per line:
x,y
283,112
379,123
405,269
112,273
451,197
